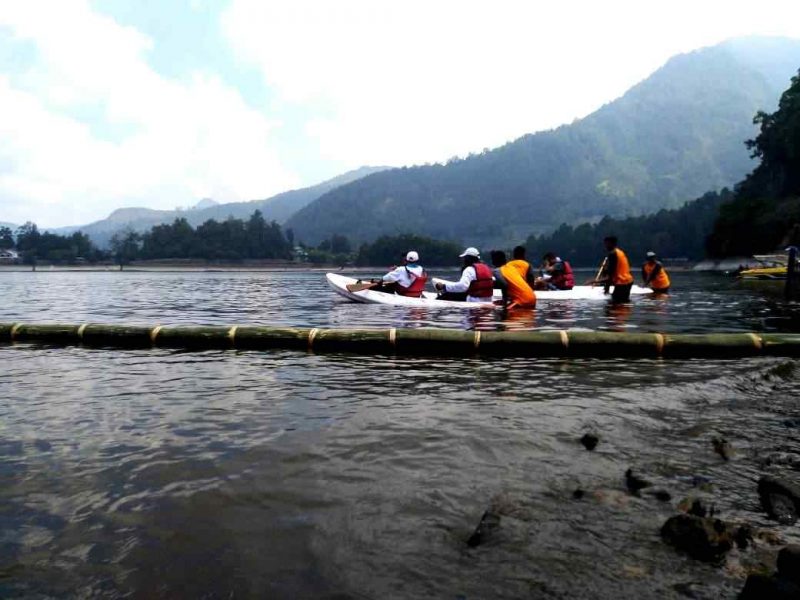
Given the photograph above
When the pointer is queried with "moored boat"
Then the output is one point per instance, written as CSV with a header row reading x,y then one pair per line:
x,y
771,267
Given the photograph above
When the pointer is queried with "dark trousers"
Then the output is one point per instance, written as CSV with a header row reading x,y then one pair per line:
x,y
621,293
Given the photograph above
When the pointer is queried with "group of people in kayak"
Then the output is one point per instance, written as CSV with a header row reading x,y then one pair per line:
x,y
518,280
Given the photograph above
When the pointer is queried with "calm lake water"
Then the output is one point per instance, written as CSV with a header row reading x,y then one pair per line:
x,y
219,474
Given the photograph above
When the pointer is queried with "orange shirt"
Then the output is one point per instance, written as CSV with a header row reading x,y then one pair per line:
x,y
519,292
661,280
522,266
622,274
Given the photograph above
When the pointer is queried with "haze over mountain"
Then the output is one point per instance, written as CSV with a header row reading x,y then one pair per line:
x,y
277,208
669,139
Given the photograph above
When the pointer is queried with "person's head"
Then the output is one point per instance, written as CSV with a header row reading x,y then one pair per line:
x,y
519,253
412,257
549,258
610,242
498,258
651,256
470,256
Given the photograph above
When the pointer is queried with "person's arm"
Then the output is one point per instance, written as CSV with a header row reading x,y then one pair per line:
x,y
501,283
656,270
611,267
530,277
644,276
462,285
393,276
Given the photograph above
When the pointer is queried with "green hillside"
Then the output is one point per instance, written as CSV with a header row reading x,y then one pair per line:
x,y
670,138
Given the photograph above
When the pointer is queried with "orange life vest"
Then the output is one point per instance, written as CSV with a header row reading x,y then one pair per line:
x,y
519,292
622,274
483,286
660,281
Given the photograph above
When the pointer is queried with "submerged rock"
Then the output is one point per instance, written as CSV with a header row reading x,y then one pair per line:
x,y
590,441
789,563
702,538
662,495
635,483
780,499
722,447
783,584
490,522
578,494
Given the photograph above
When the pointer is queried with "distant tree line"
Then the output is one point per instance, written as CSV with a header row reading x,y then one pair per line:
x,y
764,215
390,250
34,245
678,233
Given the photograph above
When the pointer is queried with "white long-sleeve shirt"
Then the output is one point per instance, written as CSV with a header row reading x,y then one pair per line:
x,y
468,275
404,275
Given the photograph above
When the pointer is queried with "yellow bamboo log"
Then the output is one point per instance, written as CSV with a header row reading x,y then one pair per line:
x,y
711,344
265,338
523,343
115,335
434,342
608,344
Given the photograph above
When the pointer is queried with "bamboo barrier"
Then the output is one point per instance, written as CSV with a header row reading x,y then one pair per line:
x,y
424,341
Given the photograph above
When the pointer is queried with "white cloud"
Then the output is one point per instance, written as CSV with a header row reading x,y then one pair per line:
x,y
189,139
421,80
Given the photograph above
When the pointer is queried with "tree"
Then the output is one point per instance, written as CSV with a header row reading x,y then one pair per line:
x,y
125,246
6,238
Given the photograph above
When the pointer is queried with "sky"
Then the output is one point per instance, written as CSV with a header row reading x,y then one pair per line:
x,y
109,103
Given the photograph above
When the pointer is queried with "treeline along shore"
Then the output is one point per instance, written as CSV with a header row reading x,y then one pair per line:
x,y
760,215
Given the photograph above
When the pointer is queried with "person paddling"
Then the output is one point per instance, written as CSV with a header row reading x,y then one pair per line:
x,y
406,280
557,273
476,283
616,271
655,275
516,291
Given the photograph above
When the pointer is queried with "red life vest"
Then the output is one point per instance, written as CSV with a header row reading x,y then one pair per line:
x,y
416,288
483,286
564,280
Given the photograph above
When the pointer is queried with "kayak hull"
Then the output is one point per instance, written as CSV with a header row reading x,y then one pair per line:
x,y
338,283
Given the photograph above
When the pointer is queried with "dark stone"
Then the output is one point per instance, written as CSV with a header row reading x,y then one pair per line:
x,y
590,441
763,587
779,498
722,447
662,495
704,539
743,536
789,563
793,422
635,483
489,522
698,509
578,494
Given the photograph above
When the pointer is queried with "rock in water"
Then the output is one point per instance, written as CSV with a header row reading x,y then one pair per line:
x,y
634,482
578,494
780,499
590,441
489,522
762,587
705,539
722,447
789,563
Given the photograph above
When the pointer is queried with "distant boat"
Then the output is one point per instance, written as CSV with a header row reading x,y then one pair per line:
x,y
771,267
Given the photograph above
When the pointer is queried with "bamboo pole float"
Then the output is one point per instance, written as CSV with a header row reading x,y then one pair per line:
x,y
423,341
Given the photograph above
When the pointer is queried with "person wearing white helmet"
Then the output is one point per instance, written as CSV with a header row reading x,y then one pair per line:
x,y
476,283
406,280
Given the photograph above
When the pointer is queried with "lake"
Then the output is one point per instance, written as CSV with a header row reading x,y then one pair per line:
x,y
220,474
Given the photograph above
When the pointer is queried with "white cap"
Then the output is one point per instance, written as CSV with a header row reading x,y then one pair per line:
x,y
412,257
470,252
650,254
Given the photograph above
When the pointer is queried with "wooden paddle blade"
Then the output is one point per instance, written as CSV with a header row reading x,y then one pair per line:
x,y
358,287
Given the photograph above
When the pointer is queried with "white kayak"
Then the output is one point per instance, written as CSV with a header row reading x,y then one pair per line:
x,y
339,285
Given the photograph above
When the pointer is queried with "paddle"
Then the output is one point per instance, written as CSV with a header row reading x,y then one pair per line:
x,y
599,271
360,286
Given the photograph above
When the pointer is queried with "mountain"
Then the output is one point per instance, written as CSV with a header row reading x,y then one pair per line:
x,y
671,138
278,208
11,226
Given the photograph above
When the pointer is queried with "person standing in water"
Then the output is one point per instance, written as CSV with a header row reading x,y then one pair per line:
x,y
616,272
476,283
522,266
558,273
517,293
655,275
